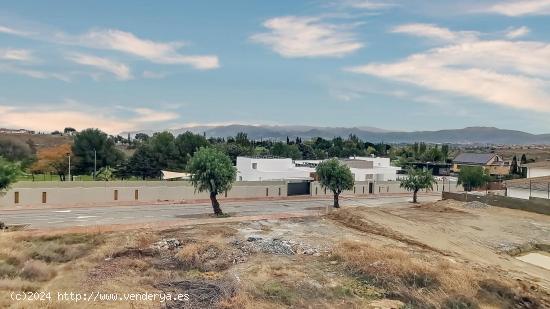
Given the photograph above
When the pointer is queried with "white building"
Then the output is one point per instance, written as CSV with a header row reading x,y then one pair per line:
x,y
382,168
538,169
260,169
362,168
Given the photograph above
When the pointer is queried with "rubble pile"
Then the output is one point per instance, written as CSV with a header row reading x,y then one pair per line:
x,y
277,246
166,244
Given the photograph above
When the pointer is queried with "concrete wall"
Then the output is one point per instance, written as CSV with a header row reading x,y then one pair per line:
x,y
384,187
537,205
537,172
88,192
524,193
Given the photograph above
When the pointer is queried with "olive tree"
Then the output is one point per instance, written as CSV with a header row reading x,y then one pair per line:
x,y
8,174
416,180
471,177
335,176
211,170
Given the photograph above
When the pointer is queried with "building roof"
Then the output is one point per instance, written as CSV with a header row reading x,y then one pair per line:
x,y
362,164
474,158
538,164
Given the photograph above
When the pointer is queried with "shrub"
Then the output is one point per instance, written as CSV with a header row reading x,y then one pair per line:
x,y
203,256
7,270
37,271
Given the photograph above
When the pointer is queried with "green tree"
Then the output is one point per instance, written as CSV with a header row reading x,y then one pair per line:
x,y
15,150
212,171
143,163
445,152
8,174
242,139
416,180
471,177
187,143
523,159
105,174
514,169
335,176
90,140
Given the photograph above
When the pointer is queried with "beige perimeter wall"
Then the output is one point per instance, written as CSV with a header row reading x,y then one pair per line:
x,y
92,193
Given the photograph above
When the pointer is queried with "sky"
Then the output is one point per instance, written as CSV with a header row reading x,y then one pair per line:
x,y
398,65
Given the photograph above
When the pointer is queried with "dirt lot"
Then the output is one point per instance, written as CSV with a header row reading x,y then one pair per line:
x,y
440,255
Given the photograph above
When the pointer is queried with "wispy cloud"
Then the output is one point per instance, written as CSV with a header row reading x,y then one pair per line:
x,y
8,30
120,70
34,73
23,55
124,42
367,4
294,37
55,116
515,33
435,32
509,73
520,7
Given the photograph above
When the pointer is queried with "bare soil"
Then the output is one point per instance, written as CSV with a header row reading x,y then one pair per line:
x,y
445,254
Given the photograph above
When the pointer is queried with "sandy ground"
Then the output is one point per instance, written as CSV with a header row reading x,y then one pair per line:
x,y
489,236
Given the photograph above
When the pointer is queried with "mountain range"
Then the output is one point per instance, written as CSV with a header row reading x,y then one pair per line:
x,y
469,135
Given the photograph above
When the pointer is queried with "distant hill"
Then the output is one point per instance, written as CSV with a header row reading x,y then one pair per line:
x,y
469,135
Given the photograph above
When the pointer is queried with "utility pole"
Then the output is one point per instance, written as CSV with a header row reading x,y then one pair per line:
x,y
69,155
95,163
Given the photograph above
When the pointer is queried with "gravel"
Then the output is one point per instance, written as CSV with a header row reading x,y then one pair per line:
x,y
166,244
277,246
476,204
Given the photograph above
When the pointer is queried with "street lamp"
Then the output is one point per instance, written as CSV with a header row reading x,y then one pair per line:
x,y
69,155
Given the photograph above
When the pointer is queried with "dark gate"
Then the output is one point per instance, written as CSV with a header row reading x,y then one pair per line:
x,y
298,188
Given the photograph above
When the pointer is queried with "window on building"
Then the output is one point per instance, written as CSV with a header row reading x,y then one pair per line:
x,y
254,166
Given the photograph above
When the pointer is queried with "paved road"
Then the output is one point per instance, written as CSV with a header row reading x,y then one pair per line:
x,y
92,216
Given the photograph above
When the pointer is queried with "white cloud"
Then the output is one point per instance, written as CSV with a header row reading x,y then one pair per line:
x,y
293,37
8,30
436,32
521,7
9,68
24,55
508,73
50,117
367,4
120,70
153,75
515,33
124,42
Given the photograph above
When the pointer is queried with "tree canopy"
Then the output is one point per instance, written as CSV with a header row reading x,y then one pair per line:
x,y
471,177
336,176
90,140
8,173
416,180
212,170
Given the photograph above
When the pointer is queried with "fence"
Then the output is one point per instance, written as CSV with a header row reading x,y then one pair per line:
x,y
534,204
528,188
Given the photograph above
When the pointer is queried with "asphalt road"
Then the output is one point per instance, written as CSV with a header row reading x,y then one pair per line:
x,y
93,216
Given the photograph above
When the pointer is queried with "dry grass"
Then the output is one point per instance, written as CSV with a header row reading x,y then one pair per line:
x,y
37,271
433,283
206,256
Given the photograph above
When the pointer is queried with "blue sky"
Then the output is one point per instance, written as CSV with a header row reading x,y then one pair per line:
x,y
401,65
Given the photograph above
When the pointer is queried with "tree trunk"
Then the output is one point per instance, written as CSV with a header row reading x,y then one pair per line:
x,y
336,202
414,196
215,204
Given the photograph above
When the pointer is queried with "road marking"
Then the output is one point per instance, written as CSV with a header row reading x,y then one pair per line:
x,y
85,217
68,210
53,222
